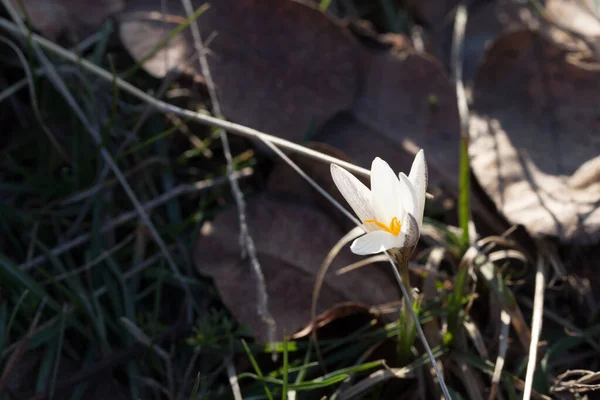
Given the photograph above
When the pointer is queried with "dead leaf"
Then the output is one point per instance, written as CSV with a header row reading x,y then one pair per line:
x,y
296,67
144,33
534,146
405,103
279,66
568,24
292,241
76,18
408,101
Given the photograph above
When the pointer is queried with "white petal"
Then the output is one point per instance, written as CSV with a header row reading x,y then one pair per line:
x,y
376,242
354,191
418,177
410,201
385,192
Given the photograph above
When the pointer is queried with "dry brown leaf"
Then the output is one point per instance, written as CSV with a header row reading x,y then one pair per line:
x,y
278,65
534,142
144,32
76,18
292,241
560,21
295,66
408,101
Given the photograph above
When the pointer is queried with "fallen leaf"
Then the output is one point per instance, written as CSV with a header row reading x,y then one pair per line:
x,y
76,18
143,34
562,22
279,66
408,101
292,241
296,68
534,147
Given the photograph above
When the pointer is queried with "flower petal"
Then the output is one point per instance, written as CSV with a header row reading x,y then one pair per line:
x,y
354,191
418,176
411,232
409,196
376,242
385,192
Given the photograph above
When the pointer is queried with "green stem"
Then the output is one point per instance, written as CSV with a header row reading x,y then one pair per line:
x,y
464,208
406,325
402,260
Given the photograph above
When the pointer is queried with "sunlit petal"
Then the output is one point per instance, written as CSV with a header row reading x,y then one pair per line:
x,y
385,191
354,191
418,177
410,201
376,242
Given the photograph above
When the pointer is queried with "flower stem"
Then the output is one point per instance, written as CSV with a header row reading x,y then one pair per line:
x,y
405,293
402,257
406,325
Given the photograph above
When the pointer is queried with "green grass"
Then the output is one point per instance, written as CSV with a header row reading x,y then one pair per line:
x,y
82,280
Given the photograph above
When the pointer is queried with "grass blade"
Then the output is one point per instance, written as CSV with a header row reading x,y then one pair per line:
x,y
257,369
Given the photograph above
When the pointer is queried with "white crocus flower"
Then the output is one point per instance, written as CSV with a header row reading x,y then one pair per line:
x,y
392,211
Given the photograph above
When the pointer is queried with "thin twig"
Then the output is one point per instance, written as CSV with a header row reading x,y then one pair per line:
x,y
15,87
312,183
246,241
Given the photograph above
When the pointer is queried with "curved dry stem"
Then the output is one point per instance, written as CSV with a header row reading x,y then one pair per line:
x,y
361,263
347,238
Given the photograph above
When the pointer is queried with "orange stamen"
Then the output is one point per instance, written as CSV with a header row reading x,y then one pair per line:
x,y
394,227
